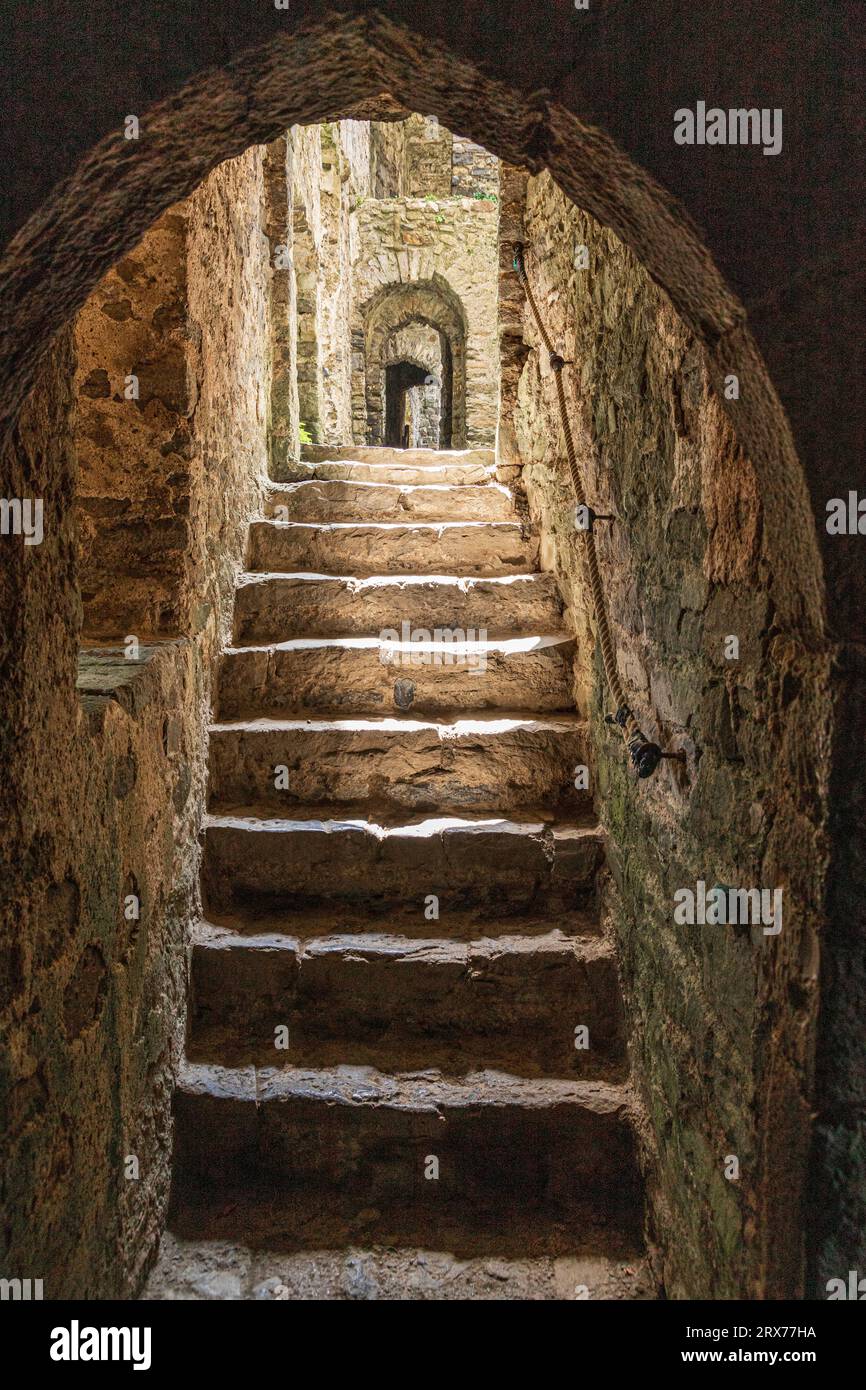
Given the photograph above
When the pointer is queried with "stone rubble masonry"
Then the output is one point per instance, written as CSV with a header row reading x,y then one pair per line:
x,y
427,159
474,170
387,143
153,470
685,564
146,504
513,349
134,456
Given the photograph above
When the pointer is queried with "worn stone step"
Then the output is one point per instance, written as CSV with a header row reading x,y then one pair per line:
x,y
393,547
487,921
363,675
348,1128
374,453
251,860
399,473
513,1003
347,1263
499,764
335,500
275,607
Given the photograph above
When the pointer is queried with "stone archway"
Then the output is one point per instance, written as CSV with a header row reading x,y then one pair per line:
x,y
425,349
382,322
105,205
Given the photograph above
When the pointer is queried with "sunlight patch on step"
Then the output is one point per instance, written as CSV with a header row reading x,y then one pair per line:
x,y
475,488
453,729
358,584
421,830
507,646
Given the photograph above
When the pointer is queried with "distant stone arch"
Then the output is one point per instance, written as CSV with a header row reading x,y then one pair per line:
x,y
383,321
418,387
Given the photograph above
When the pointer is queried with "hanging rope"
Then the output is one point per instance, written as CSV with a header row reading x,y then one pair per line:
x,y
644,755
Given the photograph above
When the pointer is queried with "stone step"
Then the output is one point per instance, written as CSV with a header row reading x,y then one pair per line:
x,y
349,1129
501,764
363,675
388,547
257,862
275,607
347,1264
416,458
481,922
399,473
334,500
513,1003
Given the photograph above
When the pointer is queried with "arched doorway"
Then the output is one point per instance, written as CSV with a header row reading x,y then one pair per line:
x,y
421,323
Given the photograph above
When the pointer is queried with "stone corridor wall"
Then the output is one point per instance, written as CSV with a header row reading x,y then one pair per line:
x,y
230,287
109,777
284,406
722,1049
172,387
134,452
333,168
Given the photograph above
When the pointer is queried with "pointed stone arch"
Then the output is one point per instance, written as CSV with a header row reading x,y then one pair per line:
x,y
391,309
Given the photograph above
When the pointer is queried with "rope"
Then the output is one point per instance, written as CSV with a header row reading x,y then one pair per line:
x,y
644,755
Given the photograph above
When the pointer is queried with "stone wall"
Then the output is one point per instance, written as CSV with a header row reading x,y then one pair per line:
x,y
307,255
722,1020
333,168
513,349
474,170
170,403
426,158
100,789
103,786
345,168
387,144
425,408
230,285
134,450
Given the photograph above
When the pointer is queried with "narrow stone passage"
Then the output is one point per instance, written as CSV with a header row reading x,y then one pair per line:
x,y
388,1092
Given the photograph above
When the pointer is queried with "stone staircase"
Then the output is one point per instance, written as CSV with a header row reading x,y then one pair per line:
x,y
411,900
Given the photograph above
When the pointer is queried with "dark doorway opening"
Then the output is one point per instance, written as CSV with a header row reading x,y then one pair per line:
x,y
417,408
